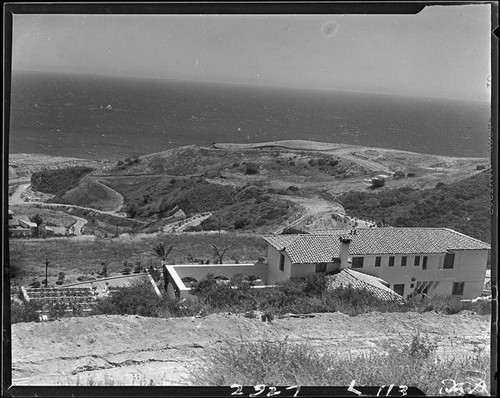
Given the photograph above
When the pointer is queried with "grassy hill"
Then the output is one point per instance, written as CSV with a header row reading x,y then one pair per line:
x,y
462,205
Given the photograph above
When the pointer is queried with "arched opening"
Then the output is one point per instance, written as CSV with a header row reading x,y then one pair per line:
x,y
189,281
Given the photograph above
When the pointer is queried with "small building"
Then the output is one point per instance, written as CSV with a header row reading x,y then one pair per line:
x,y
431,261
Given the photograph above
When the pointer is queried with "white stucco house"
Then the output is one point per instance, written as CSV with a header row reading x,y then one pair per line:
x,y
432,261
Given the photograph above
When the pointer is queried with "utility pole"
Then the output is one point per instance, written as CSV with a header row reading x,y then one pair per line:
x,y
46,272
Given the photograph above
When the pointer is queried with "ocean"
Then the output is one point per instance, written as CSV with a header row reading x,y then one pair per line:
x,y
99,117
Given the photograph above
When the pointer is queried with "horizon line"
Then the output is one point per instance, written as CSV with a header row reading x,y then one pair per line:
x,y
255,85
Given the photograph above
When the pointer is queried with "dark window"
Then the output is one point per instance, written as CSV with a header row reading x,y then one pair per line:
x,y
417,261
357,262
403,261
391,261
320,267
424,262
282,262
399,289
378,260
458,289
449,259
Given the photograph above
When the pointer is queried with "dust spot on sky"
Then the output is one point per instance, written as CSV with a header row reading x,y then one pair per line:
x,y
329,28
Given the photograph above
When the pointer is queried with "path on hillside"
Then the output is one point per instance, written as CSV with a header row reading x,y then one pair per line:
x,y
181,225
128,349
77,227
116,194
17,198
317,213
363,161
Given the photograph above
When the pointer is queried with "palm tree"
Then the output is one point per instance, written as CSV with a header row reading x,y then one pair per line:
x,y
162,251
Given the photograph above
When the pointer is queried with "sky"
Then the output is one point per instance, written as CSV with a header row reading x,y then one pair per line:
x,y
444,51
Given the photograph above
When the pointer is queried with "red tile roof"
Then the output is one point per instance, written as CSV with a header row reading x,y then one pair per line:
x,y
323,247
360,281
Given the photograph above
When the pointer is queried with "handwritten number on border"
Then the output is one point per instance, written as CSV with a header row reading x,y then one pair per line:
x,y
238,387
296,392
260,388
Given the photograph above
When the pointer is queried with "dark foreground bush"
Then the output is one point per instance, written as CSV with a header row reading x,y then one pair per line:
x,y
137,299
23,312
285,364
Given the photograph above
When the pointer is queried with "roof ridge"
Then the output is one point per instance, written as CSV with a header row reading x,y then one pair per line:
x,y
466,236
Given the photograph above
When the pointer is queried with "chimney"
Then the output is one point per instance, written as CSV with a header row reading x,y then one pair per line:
x,y
345,242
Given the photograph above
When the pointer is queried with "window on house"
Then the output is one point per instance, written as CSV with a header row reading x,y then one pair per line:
x,y
378,260
403,261
449,259
416,263
320,267
391,261
282,262
424,262
458,289
357,262
399,289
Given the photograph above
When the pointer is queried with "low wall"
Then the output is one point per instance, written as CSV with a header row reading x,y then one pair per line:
x,y
199,272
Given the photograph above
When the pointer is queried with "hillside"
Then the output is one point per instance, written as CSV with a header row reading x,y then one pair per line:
x,y
461,205
263,187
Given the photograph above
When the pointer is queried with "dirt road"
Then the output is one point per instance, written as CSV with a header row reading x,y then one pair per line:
x,y
317,214
131,350
77,227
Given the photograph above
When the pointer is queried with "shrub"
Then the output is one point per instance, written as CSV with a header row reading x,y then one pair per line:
x,y
410,175
293,188
137,299
251,168
58,181
24,312
241,223
398,175
480,167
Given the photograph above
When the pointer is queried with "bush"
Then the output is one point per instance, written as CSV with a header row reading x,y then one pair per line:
x,y
251,168
24,312
137,299
398,175
293,188
58,181
241,223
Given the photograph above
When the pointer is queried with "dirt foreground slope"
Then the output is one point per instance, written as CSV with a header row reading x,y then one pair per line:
x,y
133,350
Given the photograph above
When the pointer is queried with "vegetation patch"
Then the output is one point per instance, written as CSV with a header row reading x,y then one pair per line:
x,y
58,181
284,363
463,206
90,193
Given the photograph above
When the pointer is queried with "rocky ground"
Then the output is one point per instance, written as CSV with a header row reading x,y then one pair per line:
x,y
133,350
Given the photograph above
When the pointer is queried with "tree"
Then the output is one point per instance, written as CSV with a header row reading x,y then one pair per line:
x,y
219,251
162,251
38,220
